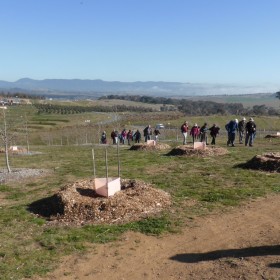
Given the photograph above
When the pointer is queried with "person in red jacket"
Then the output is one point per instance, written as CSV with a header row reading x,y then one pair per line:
x,y
129,136
195,132
184,130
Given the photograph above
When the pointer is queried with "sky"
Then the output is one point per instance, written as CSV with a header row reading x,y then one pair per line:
x,y
189,41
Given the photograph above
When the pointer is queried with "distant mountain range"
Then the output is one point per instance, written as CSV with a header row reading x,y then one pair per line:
x,y
77,88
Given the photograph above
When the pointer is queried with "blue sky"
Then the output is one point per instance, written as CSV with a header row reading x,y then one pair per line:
x,y
196,41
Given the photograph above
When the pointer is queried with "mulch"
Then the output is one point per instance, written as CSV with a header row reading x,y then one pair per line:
x,y
78,204
188,150
145,147
269,162
272,136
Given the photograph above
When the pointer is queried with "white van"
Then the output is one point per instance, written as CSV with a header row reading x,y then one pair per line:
x,y
160,126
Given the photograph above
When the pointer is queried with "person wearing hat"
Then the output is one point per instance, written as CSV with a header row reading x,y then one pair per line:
x,y
241,130
184,130
195,131
250,129
231,128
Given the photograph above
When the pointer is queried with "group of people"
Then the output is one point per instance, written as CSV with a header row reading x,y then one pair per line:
x,y
125,136
148,133
129,136
199,133
245,129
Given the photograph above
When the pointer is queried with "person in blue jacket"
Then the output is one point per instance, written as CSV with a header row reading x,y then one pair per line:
x,y
232,128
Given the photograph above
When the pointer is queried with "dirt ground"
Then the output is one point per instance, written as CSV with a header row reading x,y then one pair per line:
x,y
243,243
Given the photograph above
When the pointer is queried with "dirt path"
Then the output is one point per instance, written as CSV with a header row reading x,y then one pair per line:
x,y
242,244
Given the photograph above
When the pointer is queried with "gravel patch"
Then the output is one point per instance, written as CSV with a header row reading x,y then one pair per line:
x,y
18,174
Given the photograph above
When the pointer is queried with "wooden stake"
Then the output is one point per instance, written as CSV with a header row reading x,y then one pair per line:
x,y
119,165
106,163
93,162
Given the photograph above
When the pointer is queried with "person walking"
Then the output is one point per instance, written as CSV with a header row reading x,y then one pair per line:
x,y
137,136
241,130
214,131
123,136
194,132
156,133
203,133
148,133
231,128
250,130
103,138
184,130
114,136
129,136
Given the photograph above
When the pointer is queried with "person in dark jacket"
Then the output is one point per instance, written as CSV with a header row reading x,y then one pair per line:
x,y
250,129
231,128
241,130
114,136
156,133
148,133
103,138
137,136
214,131
203,133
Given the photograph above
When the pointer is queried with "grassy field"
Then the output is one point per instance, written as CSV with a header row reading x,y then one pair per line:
x,y
28,246
248,100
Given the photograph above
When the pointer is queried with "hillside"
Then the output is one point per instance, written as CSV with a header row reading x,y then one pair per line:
x,y
73,88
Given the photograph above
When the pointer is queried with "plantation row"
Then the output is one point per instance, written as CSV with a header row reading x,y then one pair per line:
x,y
62,109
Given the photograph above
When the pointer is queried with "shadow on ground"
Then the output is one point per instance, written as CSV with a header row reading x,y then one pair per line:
x,y
275,265
230,253
47,207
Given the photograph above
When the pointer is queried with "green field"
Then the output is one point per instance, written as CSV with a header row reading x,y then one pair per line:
x,y
248,100
29,247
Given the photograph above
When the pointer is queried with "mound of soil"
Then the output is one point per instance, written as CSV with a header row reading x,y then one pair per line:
x,y
18,150
186,150
272,136
158,146
267,162
79,204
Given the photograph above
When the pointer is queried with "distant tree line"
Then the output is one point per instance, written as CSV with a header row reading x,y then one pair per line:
x,y
63,109
197,108
21,95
